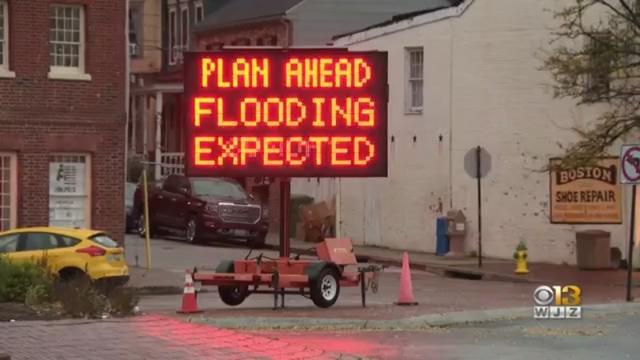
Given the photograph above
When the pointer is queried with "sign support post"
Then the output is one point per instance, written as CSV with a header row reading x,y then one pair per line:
x,y
478,177
630,174
477,164
285,197
631,237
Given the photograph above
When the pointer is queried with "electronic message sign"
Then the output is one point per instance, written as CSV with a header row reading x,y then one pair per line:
x,y
286,112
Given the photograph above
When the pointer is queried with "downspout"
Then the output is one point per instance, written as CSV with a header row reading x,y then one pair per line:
x,y
127,85
451,84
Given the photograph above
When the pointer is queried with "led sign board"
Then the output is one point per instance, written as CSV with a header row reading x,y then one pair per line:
x,y
286,112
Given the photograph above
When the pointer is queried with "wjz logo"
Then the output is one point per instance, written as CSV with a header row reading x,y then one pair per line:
x,y
557,302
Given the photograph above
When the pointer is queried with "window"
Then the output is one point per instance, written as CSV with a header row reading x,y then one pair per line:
x,y
8,191
269,40
214,46
64,241
9,243
172,36
4,40
241,42
104,240
70,190
40,241
199,12
414,71
184,32
218,188
135,31
66,41
599,66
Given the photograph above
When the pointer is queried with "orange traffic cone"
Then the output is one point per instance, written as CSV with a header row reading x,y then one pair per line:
x,y
189,301
405,296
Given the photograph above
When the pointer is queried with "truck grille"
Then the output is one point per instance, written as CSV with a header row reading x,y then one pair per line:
x,y
243,214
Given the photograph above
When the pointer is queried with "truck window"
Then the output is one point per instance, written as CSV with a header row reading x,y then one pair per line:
x,y
218,188
170,184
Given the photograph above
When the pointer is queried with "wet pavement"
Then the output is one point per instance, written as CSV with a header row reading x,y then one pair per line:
x,y
597,336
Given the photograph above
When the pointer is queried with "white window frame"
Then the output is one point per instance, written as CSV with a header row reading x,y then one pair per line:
x,y
173,34
410,108
88,181
183,45
198,6
73,73
4,68
13,188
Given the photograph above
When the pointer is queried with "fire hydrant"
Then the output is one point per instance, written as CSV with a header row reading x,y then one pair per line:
x,y
520,255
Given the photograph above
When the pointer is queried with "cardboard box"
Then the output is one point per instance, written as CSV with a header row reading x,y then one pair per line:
x,y
300,232
313,234
316,213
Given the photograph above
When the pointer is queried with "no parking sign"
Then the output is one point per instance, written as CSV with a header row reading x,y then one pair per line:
x,y
630,164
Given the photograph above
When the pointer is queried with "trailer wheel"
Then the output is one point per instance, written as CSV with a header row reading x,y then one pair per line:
x,y
233,295
325,289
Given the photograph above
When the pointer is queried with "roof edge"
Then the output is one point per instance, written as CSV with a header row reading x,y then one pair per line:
x,y
258,19
374,31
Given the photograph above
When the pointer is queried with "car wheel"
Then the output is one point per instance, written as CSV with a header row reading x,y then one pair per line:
x,y
233,295
325,289
192,235
140,227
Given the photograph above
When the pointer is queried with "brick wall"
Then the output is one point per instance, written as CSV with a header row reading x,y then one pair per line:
x,y
42,115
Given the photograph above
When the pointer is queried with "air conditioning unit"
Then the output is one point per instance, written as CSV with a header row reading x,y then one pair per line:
x,y
134,50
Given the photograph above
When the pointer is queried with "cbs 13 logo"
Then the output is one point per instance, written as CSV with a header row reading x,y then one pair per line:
x,y
568,295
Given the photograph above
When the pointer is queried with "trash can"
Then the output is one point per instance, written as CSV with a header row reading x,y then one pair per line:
x,y
593,249
442,241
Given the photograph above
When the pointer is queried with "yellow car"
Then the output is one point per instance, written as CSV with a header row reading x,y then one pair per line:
x,y
70,253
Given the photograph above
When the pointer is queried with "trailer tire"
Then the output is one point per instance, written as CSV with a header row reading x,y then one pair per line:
x,y
233,295
325,288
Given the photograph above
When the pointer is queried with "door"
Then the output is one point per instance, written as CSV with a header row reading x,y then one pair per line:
x,y
161,206
8,191
34,247
180,203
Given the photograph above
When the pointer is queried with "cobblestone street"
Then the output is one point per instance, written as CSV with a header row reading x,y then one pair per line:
x,y
147,337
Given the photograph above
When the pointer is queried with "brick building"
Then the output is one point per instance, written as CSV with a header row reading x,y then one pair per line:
x,y
62,113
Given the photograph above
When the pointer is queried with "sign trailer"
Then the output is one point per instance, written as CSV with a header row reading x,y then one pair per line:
x,y
289,112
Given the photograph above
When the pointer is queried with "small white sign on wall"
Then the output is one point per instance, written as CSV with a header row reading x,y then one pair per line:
x,y
66,178
67,194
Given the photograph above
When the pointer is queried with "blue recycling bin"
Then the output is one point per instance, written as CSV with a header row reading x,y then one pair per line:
x,y
442,240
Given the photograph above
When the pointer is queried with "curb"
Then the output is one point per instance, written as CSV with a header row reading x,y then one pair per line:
x,y
411,323
162,290
441,270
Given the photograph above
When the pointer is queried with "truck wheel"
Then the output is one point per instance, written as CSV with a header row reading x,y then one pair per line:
x,y
141,228
192,231
233,295
325,289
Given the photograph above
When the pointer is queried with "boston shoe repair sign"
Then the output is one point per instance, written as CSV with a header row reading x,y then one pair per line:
x,y
586,195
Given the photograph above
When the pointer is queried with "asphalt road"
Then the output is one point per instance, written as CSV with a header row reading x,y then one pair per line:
x,y
594,337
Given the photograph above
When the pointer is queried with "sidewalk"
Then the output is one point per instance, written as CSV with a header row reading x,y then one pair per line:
x,y
492,269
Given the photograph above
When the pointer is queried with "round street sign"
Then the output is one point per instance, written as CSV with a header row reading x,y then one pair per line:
x,y
471,162
630,166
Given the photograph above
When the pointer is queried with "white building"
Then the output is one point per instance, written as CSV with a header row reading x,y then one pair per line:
x,y
461,77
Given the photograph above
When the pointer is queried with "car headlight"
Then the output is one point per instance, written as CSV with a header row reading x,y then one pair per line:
x,y
213,208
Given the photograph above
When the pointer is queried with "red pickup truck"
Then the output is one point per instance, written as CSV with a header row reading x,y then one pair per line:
x,y
202,208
